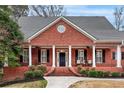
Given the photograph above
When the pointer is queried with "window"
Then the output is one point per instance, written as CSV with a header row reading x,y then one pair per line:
x,y
80,56
122,55
114,55
99,56
43,56
25,56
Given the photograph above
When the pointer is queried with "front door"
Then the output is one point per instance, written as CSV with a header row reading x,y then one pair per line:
x,y
62,59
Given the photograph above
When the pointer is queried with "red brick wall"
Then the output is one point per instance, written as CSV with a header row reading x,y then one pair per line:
x,y
52,37
35,57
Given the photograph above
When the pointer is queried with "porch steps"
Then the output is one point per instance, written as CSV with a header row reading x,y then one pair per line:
x,y
62,71
74,72
50,71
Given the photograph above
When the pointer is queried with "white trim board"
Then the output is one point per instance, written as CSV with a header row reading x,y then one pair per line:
x,y
64,19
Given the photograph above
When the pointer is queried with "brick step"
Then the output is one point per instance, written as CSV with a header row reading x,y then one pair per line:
x,y
62,71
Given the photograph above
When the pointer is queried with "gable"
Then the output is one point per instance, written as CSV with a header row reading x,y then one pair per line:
x,y
71,36
64,19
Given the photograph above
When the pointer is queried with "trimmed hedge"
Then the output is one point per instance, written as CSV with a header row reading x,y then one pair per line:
x,y
42,68
106,74
92,73
29,75
38,73
115,74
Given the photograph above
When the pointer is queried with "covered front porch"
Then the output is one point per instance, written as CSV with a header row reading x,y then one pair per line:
x,y
71,55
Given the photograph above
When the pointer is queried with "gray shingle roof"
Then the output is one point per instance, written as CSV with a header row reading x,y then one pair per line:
x,y
97,26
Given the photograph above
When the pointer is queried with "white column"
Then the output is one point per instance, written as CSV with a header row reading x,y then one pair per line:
x,y
30,55
94,59
53,52
119,56
70,56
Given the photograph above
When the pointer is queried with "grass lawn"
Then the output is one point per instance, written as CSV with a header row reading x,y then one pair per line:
x,y
98,84
33,84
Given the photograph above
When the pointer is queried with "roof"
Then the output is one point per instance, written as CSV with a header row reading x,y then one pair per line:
x,y
97,26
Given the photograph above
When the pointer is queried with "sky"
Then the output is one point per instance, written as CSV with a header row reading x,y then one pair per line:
x,y
91,10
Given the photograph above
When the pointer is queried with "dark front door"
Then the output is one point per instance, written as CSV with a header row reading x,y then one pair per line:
x,y
62,59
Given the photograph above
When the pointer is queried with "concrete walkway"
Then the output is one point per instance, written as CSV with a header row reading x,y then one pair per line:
x,y
66,81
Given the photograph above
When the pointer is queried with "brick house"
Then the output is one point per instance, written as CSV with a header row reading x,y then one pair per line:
x,y
70,41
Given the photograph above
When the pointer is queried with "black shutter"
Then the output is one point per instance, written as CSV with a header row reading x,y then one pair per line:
x,y
103,55
76,55
39,55
47,55
21,58
113,55
85,54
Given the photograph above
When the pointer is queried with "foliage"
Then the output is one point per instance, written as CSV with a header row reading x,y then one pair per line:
x,y
42,68
29,75
10,47
122,74
38,74
32,68
43,83
92,73
83,72
100,74
115,74
1,75
106,74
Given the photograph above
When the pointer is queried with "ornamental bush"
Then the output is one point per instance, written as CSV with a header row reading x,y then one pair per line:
x,y
29,74
32,68
115,74
92,73
122,74
42,68
106,74
83,72
100,74
38,74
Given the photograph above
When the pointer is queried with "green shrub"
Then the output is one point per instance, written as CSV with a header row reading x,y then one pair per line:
x,y
42,68
38,73
100,74
106,74
122,74
29,74
32,68
92,73
1,75
83,72
115,74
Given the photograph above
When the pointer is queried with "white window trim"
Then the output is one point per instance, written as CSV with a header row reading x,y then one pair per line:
x,y
25,50
42,55
100,50
78,60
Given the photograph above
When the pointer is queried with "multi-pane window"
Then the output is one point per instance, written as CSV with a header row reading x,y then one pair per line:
x,y
25,56
81,56
43,55
99,56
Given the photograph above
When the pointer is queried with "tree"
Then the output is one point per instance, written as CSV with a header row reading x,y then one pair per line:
x,y
19,11
10,38
119,17
47,10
